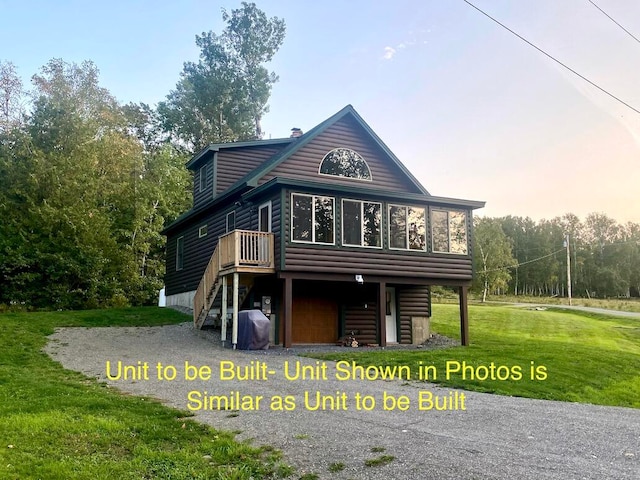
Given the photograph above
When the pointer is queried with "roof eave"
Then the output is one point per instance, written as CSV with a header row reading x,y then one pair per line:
x,y
216,147
362,191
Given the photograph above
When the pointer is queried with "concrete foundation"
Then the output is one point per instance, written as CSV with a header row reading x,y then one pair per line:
x,y
420,330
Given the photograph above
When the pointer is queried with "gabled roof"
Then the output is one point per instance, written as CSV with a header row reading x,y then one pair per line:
x,y
251,180
216,147
253,177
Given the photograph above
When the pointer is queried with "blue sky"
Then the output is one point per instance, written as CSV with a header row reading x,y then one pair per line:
x,y
471,110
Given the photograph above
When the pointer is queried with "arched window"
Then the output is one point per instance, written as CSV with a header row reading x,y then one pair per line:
x,y
343,162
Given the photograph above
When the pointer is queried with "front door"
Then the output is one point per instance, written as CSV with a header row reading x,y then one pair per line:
x,y
392,322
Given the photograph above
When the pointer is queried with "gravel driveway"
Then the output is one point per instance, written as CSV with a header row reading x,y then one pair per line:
x,y
495,437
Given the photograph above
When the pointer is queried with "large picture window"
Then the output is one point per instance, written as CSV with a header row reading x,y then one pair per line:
x,y
449,231
312,218
361,223
407,228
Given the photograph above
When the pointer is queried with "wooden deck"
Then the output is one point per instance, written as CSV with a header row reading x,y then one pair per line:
x,y
240,251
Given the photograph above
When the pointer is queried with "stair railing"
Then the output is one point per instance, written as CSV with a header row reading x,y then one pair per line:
x,y
201,300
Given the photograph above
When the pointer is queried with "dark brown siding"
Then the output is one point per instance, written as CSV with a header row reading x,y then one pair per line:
x,y
198,251
304,164
365,262
413,301
363,322
200,196
233,164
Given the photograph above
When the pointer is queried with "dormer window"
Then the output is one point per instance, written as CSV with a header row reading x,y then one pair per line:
x,y
203,178
344,162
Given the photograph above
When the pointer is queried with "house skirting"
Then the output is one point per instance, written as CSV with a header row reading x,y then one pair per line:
x,y
184,299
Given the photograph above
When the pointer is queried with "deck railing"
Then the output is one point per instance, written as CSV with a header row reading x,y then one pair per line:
x,y
246,248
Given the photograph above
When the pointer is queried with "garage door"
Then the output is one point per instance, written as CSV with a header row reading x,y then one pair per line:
x,y
315,320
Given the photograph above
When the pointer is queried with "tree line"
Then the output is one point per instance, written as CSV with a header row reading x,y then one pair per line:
x,y
519,256
87,183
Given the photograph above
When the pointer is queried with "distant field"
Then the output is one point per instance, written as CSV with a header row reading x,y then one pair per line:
x,y
56,424
586,357
622,304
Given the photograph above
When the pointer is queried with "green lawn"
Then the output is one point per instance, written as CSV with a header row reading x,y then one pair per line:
x,y
56,424
588,358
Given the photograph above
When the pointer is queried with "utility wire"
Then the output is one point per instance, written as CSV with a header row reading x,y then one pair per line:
x,y
613,20
517,265
523,263
553,58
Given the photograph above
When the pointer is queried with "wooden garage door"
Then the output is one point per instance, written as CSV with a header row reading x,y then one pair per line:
x,y
315,320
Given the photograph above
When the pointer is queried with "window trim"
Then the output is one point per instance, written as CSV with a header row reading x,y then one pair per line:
x,y
448,211
202,231
370,179
226,225
313,219
407,207
179,253
361,202
269,206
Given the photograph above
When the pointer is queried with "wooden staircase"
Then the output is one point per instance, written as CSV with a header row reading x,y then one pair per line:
x,y
240,251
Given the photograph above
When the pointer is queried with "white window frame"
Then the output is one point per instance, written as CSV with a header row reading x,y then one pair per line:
x,y
202,231
362,245
179,253
407,207
226,223
313,219
268,206
448,211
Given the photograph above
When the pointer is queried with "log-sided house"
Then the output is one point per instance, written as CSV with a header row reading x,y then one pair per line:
x,y
326,232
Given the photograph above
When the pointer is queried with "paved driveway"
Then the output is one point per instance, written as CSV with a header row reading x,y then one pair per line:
x,y
493,438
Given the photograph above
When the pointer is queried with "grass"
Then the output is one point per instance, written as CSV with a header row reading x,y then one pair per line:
x,y
379,461
57,424
587,357
620,304
625,305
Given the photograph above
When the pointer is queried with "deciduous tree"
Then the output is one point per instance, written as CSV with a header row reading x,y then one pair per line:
x,y
492,255
224,96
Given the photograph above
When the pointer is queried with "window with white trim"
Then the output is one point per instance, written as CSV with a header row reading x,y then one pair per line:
x,y
449,231
202,231
179,253
407,228
361,223
312,218
264,217
231,221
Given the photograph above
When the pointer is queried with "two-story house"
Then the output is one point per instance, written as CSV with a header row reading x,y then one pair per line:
x,y
327,232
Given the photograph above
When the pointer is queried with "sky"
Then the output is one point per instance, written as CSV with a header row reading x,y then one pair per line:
x,y
471,110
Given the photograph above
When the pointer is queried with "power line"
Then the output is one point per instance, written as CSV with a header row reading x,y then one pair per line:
x,y
517,265
613,20
553,58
